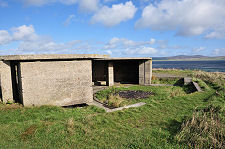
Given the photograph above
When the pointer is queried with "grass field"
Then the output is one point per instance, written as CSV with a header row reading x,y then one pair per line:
x,y
158,124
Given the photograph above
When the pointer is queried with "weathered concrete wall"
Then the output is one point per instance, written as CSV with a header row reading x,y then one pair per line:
x,y
58,83
145,72
6,81
126,71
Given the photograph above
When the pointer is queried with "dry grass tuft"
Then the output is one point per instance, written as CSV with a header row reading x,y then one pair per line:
x,y
114,101
154,77
29,132
211,77
13,106
206,129
70,126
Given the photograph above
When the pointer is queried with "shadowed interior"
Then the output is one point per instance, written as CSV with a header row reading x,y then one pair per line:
x,y
124,71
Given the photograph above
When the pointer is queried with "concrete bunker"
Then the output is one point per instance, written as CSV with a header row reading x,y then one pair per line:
x,y
65,80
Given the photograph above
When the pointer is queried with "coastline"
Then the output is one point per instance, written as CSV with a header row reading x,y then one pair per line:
x,y
191,60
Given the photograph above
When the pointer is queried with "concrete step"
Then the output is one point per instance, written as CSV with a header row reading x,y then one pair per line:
x,y
198,88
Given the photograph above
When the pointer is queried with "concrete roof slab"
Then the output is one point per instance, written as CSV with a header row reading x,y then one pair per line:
x,y
52,56
124,58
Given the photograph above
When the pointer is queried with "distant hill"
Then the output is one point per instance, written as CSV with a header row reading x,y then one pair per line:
x,y
190,57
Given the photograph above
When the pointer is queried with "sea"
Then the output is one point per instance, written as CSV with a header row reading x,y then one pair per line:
x,y
210,65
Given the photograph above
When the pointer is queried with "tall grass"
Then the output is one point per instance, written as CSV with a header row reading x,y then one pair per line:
x,y
216,79
206,129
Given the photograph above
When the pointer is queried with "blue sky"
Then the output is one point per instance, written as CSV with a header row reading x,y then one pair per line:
x,y
146,28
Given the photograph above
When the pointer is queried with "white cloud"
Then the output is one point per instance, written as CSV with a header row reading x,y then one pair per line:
x,y
46,45
187,17
4,37
21,33
146,50
114,15
218,32
116,42
84,5
219,52
30,42
196,50
123,46
69,19
68,2
152,41
126,43
37,2
24,33
109,52
88,5
141,51
3,3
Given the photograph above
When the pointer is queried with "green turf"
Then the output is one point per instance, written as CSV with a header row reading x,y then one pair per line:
x,y
177,72
153,125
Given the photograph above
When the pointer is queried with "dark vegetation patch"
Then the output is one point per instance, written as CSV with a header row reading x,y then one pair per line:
x,y
134,94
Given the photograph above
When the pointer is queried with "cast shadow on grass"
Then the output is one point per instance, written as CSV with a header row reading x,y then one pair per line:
x,y
173,126
189,88
180,83
75,106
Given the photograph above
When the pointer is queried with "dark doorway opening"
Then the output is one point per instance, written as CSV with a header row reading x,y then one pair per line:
x,y
126,72
16,81
99,72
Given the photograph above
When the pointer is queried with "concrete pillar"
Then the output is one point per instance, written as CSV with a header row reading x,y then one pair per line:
x,y
6,81
142,72
148,72
110,77
145,72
